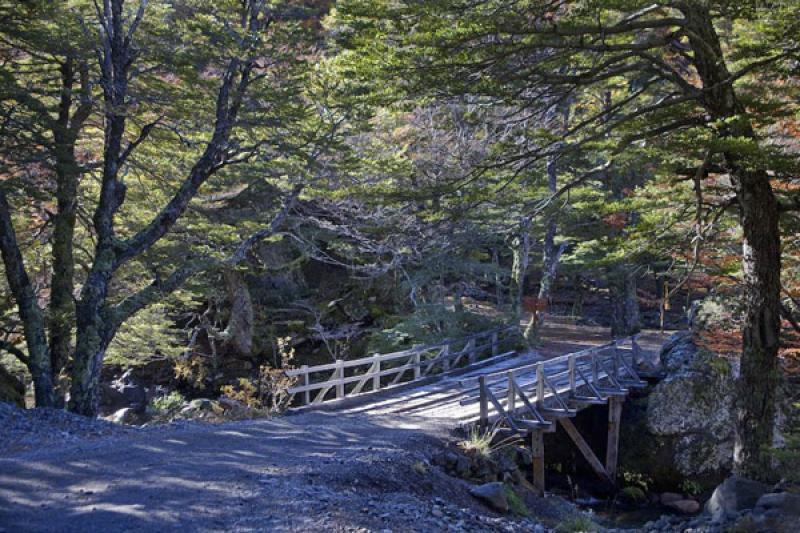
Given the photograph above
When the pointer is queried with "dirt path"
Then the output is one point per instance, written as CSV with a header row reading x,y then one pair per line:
x,y
308,472
314,471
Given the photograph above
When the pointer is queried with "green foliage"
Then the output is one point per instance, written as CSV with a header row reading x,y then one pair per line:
x,y
637,479
164,405
427,324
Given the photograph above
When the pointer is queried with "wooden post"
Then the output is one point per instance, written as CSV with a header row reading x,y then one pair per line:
x,y
612,450
595,371
495,344
417,368
512,393
376,367
471,350
537,456
306,383
445,356
540,385
571,364
484,416
340,378
615,370
636,353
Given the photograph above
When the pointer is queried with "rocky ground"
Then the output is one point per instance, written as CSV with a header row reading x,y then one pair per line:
x,y
308,472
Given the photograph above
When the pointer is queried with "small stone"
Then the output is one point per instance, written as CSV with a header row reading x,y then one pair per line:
x,y
668,497
685,506
492,493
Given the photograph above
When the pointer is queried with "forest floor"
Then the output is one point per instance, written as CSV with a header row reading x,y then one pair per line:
x,y
312,471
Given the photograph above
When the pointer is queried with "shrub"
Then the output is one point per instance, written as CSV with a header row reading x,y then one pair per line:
x,y
168,403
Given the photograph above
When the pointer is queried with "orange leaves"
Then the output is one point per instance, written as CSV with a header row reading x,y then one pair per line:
x,y
720,341
616,220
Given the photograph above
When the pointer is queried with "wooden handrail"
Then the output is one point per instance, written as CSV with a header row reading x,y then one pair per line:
x,y
411,359
586,368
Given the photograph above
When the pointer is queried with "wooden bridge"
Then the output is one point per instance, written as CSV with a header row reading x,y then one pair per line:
x,y
482,382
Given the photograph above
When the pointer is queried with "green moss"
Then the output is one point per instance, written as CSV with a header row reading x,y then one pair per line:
x,y
515,503
633,494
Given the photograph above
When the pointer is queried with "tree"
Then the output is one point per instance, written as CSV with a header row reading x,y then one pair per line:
x,y
230,94
705,73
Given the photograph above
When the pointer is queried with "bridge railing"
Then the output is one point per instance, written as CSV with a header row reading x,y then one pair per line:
x,y
343,378
525,397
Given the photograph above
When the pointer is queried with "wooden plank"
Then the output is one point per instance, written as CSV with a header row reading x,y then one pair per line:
x,y
340,376
571,364
376,377
585,449
503,414
512,396
612,448
484,399
530,407
537,456
306,393
369,374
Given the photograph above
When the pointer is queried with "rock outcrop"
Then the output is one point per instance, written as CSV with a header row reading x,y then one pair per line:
x,y
683,429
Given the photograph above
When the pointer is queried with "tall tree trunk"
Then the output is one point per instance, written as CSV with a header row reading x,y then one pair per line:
x,y
625,318
94,332
761,257
498,282
65,134
551,256
520,250
33,323
760,373
552,253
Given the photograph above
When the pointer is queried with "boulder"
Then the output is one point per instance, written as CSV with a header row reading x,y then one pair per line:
x,y
734,495
11,389
494,494
126,415
684,428
125,391
199,404
686,506
785,502
778,512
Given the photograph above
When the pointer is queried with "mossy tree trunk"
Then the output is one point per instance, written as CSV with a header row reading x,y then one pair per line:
x,y
756,400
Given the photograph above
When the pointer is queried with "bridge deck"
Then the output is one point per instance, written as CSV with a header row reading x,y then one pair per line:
x,y
456,398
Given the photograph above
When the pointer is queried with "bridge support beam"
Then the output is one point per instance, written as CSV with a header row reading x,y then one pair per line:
x,y
585,449
537,454
612,448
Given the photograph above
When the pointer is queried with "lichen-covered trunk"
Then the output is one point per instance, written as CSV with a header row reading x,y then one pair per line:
x,y
756,401
33,323
760,376
62,303
94,331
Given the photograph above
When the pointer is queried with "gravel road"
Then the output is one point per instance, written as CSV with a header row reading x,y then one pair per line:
x,y
307,472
